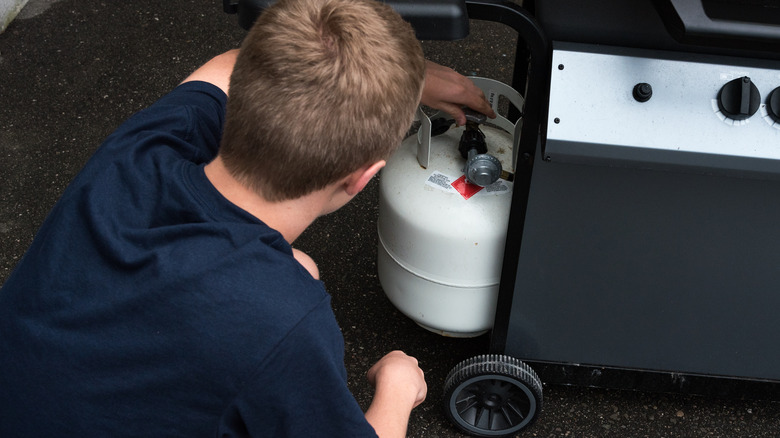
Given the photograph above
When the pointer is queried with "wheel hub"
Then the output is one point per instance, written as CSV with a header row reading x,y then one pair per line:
x,y
492,401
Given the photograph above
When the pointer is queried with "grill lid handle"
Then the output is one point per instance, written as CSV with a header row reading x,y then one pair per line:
x,y
689,23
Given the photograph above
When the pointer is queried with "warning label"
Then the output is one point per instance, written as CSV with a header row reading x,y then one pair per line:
x,y
440,181
499,186
459,185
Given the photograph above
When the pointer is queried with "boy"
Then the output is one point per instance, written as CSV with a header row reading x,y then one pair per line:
x,y
161,297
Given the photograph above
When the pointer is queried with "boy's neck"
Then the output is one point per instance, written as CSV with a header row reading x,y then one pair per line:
x,y
289,217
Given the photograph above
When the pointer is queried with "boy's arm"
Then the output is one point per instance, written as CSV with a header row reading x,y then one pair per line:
x,y
399,387
307,262
216,71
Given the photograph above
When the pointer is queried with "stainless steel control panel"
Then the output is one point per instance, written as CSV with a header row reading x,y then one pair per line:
x,y
667,112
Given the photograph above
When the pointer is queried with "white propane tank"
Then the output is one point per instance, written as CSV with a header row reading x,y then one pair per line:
x,y
441,246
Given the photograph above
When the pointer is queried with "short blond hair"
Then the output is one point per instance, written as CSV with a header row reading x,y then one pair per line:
x,y
320,88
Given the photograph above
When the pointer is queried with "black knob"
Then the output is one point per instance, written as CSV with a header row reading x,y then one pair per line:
x,y
773,104
642,92
472,138
739,99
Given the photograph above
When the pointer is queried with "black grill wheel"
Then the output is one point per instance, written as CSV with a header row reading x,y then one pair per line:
x,y
492,395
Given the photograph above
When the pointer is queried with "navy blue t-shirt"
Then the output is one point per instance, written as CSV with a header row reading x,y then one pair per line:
x,y
149,305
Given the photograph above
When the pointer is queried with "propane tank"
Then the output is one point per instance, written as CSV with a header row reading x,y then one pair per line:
x,y
443,215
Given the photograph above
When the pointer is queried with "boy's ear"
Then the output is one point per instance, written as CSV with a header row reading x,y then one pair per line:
x,y
360,178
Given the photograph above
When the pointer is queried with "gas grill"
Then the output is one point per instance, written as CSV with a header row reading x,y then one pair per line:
x,y
650,238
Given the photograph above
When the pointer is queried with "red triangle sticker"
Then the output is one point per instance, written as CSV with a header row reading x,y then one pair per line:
x,y
465,188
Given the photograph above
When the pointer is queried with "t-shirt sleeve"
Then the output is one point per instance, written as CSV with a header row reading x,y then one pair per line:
x,y
300,389
188,121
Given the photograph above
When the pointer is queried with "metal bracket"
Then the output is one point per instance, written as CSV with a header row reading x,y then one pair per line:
x,y
493,90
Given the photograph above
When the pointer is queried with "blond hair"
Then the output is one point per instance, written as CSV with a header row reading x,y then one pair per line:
x,y
320,88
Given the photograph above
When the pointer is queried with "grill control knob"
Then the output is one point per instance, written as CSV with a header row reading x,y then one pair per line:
x,y
642,92
739,99
773,104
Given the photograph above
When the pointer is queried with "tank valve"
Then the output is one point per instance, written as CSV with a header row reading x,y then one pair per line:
x,y
482,169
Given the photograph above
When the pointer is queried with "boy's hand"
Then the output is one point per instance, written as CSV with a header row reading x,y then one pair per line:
x,y
400,387
447,90
401,373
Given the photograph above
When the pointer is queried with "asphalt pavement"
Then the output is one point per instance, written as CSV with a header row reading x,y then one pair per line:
x,y
72,71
